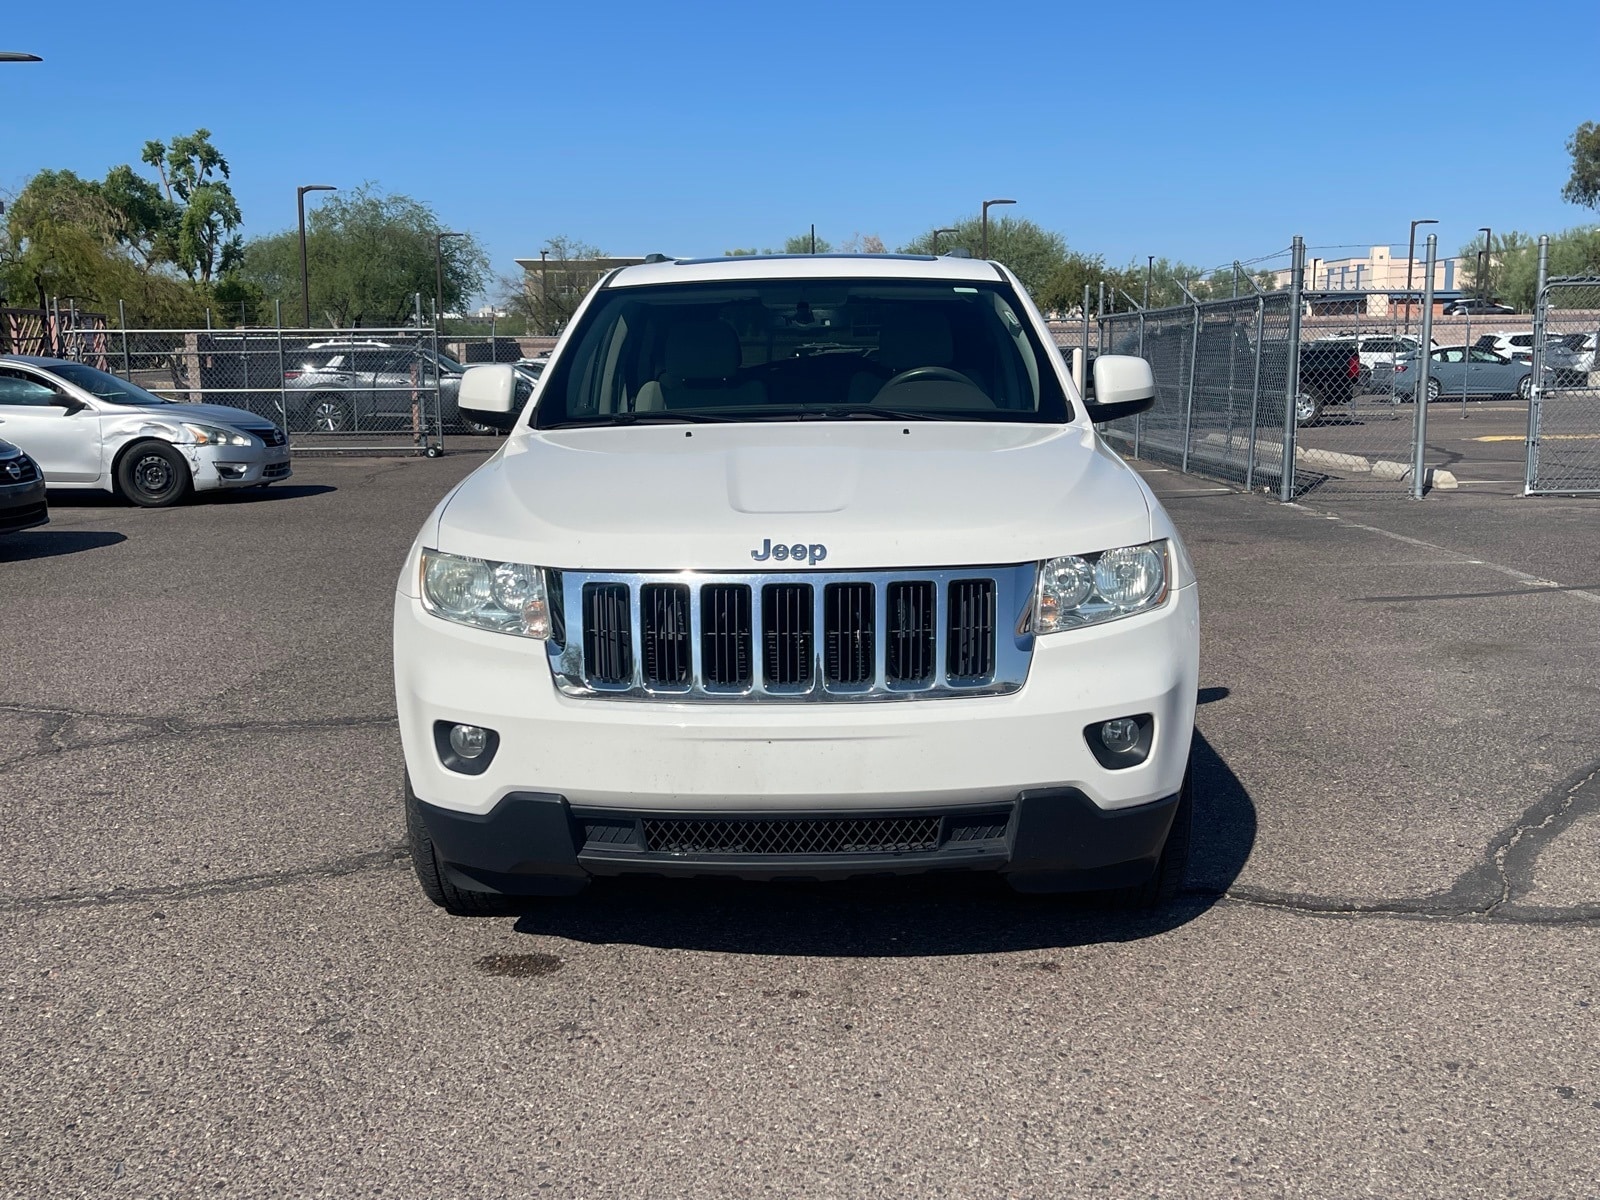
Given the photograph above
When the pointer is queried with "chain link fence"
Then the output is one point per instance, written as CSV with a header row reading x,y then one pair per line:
x,y
1564,410
369,389
1221,371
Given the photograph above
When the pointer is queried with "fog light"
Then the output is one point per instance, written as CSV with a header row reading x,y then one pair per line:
x,y
1121,742
1120,736
470,741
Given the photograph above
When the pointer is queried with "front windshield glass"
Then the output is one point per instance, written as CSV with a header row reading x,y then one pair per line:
x,y
106,387
805,349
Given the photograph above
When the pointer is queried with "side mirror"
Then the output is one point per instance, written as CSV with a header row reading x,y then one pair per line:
x,y
488,395
1123,385
71,403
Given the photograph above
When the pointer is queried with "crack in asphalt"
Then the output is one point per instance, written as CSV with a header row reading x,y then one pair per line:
x,y
233,885
1491,890
48,740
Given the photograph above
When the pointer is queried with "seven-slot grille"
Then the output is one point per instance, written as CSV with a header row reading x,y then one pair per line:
x,y
803,636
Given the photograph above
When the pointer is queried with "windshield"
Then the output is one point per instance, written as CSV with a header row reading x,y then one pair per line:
x,y
804,349
106,387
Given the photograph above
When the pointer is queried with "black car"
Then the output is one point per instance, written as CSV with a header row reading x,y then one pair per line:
x,y
22,502
1473,306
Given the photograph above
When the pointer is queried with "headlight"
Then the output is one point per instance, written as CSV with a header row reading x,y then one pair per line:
x,y
505,597
1087,589
216,435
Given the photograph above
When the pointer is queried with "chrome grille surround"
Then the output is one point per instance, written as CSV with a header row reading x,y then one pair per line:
x,y
1012,652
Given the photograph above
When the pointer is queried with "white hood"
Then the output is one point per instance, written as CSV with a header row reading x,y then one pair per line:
x,y
875,494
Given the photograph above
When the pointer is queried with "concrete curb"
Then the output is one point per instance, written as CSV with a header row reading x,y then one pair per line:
x,y
1355,464
1436,477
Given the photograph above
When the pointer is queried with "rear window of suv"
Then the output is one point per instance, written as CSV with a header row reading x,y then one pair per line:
x,y
804,349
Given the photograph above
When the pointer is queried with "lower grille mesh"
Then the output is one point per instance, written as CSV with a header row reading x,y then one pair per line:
x,y
819,835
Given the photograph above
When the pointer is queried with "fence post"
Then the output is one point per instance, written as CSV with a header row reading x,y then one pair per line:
x,y
1255,393
1138,418
1419,434
122,319
283,392
1297,270
1188,401
1083,383
1536,394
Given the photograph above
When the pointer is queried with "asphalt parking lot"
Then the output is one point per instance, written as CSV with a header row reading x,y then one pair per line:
x,y
1481,442
220,978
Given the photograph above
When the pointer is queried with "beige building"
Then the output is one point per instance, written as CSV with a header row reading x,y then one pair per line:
x,y
1379,272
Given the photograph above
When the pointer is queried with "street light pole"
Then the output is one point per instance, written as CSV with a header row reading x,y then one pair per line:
x,y
1411,260
1149,269
1487,261
936,234
305,280
986,206
438,271
18,56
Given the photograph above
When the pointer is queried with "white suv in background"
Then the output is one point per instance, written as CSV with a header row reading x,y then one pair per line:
x,y
1516,345
1377,350
799,567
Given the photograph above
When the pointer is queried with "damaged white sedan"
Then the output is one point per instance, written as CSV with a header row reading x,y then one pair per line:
x,y
89,429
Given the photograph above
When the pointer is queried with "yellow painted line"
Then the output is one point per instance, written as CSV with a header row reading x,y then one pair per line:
x,y
1549,437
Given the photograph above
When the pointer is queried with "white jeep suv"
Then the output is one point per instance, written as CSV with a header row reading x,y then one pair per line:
x,y
799,567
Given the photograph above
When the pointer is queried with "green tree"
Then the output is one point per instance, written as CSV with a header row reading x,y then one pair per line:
x,y
368,254
1062,292
547,298
1583,186
799,244
1516,262
1031,251
203,213
65,240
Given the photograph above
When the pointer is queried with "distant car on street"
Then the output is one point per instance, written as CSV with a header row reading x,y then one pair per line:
x,y
86,428
1463,370
1473,305
22,499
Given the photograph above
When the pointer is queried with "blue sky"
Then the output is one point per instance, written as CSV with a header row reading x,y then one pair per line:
x,y
1206,132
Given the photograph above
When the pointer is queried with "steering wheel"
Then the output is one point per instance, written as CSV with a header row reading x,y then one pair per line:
x,y
918,373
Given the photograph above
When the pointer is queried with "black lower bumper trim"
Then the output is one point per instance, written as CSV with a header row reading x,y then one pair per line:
x,y
1054,839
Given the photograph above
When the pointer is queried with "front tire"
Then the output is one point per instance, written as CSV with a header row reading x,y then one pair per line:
x,y
1435,390
153,475
435,883
1525,388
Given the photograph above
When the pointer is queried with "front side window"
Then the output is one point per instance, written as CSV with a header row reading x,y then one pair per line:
x,y
105,387
24,391
804,349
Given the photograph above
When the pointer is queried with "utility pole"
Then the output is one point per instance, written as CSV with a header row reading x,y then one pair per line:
x,y
305,279
987,204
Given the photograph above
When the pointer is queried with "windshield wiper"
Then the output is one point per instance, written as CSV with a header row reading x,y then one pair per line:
x,y
866,412
656,416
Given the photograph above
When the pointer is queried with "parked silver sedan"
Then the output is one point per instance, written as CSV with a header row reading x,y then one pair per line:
x,y
1462,370
88,429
